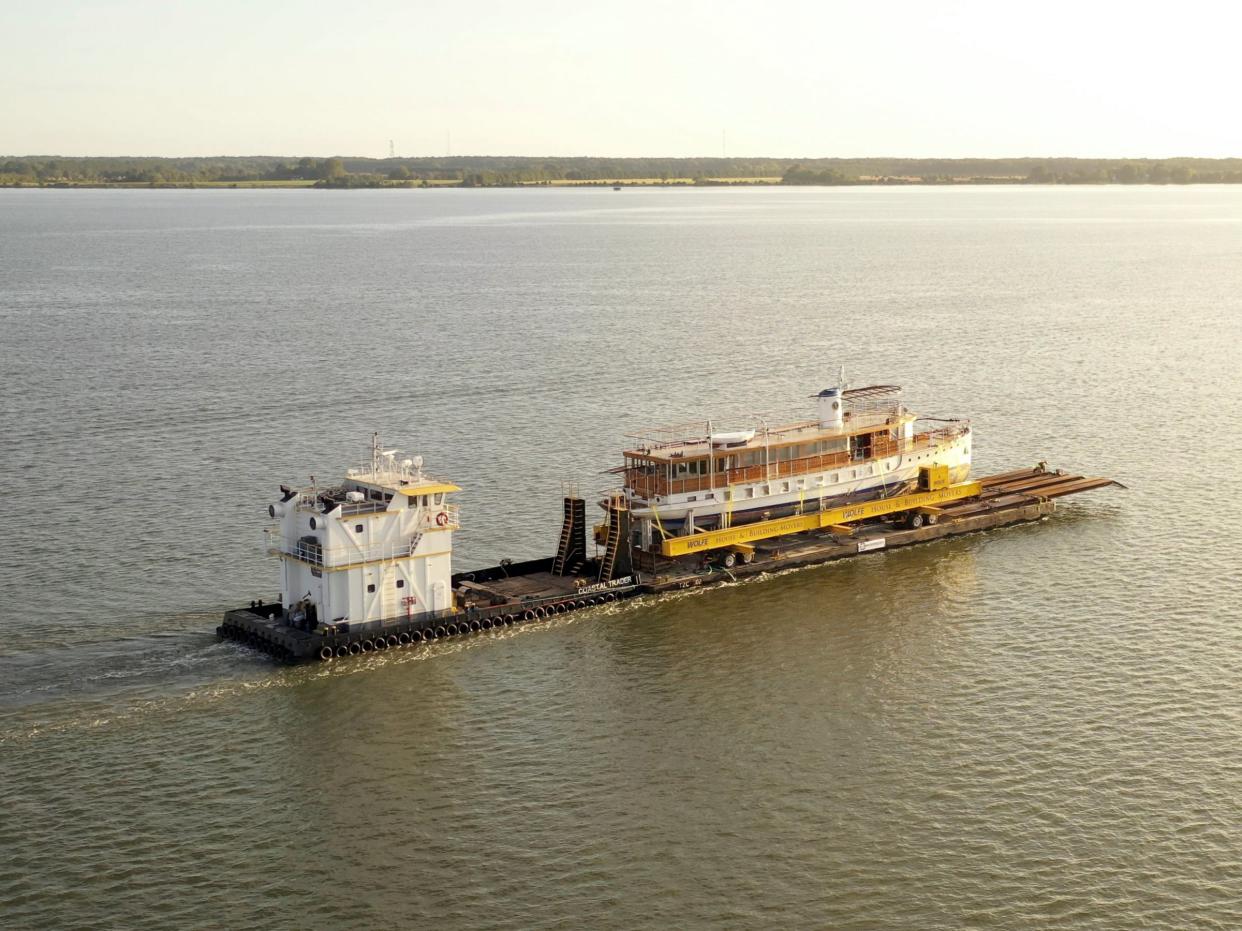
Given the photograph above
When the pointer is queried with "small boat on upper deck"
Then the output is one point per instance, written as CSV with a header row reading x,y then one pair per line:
x,y
864,443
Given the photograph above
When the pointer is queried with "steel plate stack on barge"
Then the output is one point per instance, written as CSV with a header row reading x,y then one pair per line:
x,y
366,563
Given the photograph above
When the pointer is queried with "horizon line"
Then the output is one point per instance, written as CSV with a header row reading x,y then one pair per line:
x,y
774,158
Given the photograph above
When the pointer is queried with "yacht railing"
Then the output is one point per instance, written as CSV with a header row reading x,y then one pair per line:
x,y
646,484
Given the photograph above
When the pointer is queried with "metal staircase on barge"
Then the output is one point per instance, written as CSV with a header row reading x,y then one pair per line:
x,y
571,551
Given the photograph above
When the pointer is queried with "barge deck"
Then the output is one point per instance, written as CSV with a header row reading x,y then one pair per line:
x,y
517,593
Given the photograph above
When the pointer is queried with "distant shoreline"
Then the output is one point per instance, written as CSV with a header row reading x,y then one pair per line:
x,y
567,185
230,172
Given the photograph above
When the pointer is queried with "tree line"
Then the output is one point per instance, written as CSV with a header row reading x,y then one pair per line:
x,y
1016,171
498,171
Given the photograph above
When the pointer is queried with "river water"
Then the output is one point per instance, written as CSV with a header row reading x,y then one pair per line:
x,y
1033,728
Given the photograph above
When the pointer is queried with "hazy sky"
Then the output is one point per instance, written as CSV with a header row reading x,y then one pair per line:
x,y
796,79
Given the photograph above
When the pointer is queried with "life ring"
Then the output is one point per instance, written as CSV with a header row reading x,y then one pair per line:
x,y
442,519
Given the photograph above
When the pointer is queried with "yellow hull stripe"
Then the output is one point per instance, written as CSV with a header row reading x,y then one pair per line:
x,y
717,539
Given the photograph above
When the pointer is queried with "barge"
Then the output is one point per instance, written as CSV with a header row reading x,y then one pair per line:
x,y
366,562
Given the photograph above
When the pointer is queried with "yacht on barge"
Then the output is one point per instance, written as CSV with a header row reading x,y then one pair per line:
x,y
864,443
366,562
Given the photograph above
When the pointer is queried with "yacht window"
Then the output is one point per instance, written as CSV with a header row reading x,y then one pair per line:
x,y
358,528
439,498
400,583
370,588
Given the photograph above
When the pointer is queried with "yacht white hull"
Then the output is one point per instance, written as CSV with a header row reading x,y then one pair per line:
x,y
775,497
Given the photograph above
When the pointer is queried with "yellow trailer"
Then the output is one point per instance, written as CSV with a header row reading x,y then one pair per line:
x,y
923,503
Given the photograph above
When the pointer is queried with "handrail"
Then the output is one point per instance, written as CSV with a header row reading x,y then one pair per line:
x,y
647,486
337,557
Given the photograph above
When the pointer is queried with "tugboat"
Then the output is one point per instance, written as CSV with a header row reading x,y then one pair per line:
x,y
378,545
863,444
366,564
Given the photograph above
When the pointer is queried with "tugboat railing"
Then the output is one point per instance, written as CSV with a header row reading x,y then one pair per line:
x,y
309,550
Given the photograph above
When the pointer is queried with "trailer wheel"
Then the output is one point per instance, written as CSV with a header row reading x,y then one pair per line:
x,y
931,519
748,558
915,521
729,560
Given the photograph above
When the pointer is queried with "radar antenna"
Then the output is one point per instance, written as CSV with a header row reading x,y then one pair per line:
x,y
375,452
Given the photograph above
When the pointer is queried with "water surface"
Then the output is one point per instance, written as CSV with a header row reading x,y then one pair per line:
x,y
1034,728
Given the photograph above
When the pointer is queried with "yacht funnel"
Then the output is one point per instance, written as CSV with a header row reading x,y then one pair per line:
x,y
829,408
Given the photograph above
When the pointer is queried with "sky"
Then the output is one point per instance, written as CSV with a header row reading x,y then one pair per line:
x,y
791,79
